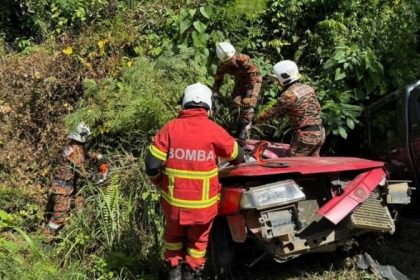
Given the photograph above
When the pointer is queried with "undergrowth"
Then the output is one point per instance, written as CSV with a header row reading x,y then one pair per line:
x,y
123,72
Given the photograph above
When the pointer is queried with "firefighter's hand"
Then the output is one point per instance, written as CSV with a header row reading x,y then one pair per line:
x,y
259,119
98,179
157,180
237,100
241,142
249,102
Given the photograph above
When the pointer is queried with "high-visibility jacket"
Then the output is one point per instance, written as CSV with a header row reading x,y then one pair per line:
x,y
190,147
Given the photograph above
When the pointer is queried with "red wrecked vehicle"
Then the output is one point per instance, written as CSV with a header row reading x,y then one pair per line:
x,y
293,206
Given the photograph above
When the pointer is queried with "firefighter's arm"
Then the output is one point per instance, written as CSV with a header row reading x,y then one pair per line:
x,y
154,164
229,149
218,79
74,156
95,156
265,115
156,156
238,156
101,176
278,109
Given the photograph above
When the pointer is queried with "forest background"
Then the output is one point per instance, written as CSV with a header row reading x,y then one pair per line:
x,y
122,65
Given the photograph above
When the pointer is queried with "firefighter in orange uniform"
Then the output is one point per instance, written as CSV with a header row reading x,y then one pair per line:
x,y
247,84
299,102
72,165
182,161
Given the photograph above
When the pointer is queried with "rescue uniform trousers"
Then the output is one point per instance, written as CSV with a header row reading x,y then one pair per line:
x,y
307,143
186,243
61,192
245,114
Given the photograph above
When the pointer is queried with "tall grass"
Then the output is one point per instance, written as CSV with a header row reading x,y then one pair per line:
x,y
117,232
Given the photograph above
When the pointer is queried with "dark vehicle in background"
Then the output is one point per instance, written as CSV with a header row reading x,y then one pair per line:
x,y
283,207
393,134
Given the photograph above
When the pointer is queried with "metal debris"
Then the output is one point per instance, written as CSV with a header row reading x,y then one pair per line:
x,y
365,261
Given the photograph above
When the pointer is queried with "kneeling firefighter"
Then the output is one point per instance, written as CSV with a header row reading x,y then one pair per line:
x,y
182,161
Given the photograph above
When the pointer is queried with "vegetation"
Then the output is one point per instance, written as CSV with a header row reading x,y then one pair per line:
x,y
121,66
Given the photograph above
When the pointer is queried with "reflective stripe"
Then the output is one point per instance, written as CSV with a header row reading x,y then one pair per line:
x,y
192,204
157,153
191,174
206,190
171,185
196,253
235,151
205,176
173,246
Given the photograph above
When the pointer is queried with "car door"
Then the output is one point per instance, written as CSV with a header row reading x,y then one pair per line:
x,y
414,126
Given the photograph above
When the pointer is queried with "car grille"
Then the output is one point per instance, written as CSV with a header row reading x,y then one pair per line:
x,y
372,214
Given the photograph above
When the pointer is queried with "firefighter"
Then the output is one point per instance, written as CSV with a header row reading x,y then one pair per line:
x,y
247,84
71,165
182,161
298,101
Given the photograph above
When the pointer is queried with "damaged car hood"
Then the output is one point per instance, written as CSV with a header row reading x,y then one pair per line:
x,y
299,165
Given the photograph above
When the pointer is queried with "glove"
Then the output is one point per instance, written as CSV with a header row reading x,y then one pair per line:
x,y
249,102
103,168
157,180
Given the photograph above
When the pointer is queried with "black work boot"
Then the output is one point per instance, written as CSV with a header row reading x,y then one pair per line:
x,y
175,273
191,274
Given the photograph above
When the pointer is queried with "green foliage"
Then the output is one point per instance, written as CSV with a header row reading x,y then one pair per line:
x,y
138,102
2,46
348,50
117,233
193,28
134,65
37,19
23,257
18,209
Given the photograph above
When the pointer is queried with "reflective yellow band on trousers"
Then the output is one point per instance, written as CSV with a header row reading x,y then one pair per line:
x,y
196,253
157,153
173,246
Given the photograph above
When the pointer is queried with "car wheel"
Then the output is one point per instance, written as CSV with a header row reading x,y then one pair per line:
x,y
222,255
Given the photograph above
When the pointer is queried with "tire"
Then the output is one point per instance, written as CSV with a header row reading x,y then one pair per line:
x,y
222,255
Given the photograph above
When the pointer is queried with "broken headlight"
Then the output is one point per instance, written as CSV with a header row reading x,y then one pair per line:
x,y
271,195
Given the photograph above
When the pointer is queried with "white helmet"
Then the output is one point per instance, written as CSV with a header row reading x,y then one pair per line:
x,y
81,133
225,51
286,71
197,95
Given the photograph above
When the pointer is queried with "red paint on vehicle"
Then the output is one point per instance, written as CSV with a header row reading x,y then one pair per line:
x,y
230,201
355,193
299,165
